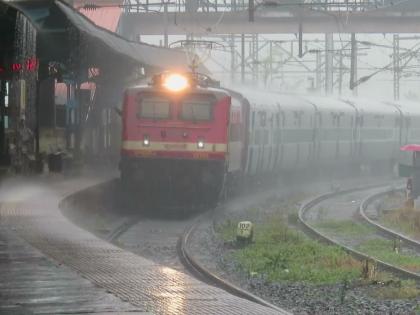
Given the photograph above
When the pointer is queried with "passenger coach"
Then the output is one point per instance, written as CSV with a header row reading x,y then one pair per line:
x,y
184,136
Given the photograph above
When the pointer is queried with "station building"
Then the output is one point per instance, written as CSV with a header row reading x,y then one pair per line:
x,y
62,74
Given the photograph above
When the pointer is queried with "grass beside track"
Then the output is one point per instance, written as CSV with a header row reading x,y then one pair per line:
x,y
281,253
383,249
406,221
346,227
407,289
379,248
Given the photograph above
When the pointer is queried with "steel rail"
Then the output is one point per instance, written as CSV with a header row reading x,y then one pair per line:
x,y
123,227
190,263
198,269
381,228
187,259
403,273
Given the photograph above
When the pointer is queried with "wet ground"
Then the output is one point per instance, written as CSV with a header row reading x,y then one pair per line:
x,y
30,283
299,298
105,274
155,237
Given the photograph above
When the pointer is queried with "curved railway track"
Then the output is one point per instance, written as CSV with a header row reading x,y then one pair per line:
x,y
194,266
308,228
381,228
190,263
187,226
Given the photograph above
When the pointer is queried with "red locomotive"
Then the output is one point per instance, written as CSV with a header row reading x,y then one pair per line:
x,y
187,138
179,134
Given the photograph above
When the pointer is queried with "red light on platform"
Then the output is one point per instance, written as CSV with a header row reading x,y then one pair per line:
x,y
31,64
16,67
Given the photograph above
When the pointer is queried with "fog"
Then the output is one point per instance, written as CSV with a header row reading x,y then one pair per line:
x,y
375,54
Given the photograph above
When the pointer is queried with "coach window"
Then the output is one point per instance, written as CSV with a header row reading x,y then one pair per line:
x,y
263,119
197,107
296,118
153,107
397,122
277,120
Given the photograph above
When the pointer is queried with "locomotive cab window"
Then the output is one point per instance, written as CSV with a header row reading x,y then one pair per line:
x,y
197,108
154,107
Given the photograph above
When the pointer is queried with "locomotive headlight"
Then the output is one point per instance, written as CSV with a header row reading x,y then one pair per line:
x,y
146,141
175,82
200,144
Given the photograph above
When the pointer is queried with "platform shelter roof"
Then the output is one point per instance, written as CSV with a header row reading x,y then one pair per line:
x,y
45,16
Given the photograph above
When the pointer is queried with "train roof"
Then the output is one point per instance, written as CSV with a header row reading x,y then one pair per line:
x,y
199,88
372,106
410,107
272,101
328,103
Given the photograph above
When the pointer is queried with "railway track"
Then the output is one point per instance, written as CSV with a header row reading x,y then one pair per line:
x,y
369,195
381,228
189,262
146,235
194,266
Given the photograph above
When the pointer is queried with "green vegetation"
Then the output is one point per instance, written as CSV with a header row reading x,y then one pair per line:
x,y
344,227
227,231
281,253
400,290
405,220
383,249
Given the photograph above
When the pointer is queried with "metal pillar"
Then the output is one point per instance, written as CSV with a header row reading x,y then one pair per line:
x,y
329,63
300,41
340,74
270,72
251,10
353,66
243,58
255,59
396,67
318,71
232,58
37,118
3,142
165,17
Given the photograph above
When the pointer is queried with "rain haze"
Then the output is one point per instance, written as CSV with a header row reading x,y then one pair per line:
x,y
209,157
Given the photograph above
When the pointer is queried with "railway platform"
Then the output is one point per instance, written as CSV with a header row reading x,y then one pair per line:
x,y
48,265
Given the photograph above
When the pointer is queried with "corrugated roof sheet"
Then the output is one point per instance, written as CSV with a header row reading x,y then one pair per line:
x,y
107,17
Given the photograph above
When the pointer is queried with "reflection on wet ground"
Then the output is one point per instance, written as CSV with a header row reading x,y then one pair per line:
x,y
31,283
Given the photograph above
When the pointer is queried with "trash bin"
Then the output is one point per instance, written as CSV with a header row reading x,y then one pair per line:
x,y
55,162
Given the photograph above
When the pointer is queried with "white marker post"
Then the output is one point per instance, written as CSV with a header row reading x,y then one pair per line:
x,y
245,232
